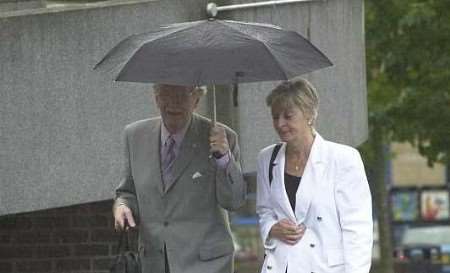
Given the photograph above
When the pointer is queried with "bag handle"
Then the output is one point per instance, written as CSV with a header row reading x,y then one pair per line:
x,y
275,151
124,239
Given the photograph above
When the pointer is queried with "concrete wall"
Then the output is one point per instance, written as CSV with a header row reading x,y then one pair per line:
x,y
61,122
11,5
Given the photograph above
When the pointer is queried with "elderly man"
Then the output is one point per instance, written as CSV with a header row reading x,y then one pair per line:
x,y
176,191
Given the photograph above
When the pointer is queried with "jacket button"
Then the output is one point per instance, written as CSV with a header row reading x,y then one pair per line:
x,y
319,218
312,245
269,267
166,223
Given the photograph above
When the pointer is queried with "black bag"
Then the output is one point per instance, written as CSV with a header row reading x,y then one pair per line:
x,y
126,261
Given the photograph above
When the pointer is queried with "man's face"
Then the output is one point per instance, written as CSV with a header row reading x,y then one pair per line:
x,y
176,104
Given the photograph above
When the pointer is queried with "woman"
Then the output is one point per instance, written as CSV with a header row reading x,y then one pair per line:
x,y
313,199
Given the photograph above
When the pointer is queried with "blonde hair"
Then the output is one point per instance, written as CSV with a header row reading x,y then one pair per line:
x,y
298,92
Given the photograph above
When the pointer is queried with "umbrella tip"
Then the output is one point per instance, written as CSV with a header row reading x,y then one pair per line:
x,y
211,11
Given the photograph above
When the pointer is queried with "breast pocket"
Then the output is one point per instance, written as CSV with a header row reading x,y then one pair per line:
x,y
201,177
198,185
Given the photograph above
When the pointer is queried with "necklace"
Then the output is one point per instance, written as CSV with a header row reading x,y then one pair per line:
x,y
298,158
296,163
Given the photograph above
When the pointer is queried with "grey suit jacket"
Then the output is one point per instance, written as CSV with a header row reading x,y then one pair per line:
x,y
189,216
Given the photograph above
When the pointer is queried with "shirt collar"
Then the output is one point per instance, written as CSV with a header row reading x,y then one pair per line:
x,y
178,136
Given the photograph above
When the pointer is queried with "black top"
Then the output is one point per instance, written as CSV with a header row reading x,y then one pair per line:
x,y
291,184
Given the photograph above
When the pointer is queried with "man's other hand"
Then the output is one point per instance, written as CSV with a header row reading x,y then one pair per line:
x,y
123,218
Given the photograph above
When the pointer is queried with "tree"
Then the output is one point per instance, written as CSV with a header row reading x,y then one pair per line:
x,y
408,60
408,73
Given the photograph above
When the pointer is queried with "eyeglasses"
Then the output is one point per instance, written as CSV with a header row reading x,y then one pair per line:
x,y
170,95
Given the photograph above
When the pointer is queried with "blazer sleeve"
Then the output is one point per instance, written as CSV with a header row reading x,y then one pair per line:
x,y
354,205
125,193
231,189
264,207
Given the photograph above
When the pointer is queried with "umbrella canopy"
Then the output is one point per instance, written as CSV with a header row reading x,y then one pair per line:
x,y
213,52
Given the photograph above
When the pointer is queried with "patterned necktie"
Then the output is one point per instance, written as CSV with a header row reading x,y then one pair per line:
x,y
169,157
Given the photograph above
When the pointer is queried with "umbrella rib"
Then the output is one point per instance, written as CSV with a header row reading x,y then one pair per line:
x,y
267,49
184,27
275,60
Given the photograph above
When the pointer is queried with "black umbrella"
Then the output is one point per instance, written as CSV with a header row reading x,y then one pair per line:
x,y
213,52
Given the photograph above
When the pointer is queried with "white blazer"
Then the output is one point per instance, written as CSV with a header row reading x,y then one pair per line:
x,y
333,201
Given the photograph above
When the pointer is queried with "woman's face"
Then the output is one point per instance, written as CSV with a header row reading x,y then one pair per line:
x,y
290,123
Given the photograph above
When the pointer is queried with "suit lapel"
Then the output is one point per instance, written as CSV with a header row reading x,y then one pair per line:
x,y
154,154
148,143
312,176
187,151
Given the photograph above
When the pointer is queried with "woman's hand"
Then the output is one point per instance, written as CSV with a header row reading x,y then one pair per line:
x,y
287,231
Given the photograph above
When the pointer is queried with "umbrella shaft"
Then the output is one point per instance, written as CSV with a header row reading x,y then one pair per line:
x,y
214,105
261,4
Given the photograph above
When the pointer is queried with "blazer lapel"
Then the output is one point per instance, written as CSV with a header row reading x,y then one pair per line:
x,y
312,176
278,183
